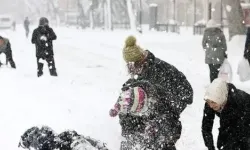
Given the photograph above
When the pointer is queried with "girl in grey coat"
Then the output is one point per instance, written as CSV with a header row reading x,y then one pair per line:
x,y
214,44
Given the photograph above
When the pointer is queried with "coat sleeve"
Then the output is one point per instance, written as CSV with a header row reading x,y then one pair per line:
x,y
204,40
223,44
185,90
34,37
51,36
247,45
243,99
207,126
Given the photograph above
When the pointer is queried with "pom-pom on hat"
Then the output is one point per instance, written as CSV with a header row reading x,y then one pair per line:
x,y
131,51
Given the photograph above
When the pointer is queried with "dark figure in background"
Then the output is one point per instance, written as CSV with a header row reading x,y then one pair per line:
x,y
26,26
43,37
14,25
247,46
215,46
5,48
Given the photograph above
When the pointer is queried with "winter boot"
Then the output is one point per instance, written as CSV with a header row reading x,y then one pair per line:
x,y
53,72
39,73
12,64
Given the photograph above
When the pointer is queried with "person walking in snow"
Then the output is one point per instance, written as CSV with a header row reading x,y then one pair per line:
x,y
247,46
232,106
14,25
158,127
215,46
5,47
26,26
43,37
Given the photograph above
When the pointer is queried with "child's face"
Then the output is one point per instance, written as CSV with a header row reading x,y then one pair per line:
x,y
213,105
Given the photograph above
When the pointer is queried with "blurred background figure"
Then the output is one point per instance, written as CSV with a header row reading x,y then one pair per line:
x,y
26,26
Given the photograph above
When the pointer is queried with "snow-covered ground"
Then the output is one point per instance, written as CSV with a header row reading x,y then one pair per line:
x,y
91,71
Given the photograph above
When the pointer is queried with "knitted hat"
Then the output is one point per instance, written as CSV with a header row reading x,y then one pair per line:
x,y
217,91
133,100
131,51
43,21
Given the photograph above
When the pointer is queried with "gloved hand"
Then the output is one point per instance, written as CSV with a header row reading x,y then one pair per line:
x,y
43,38
113,113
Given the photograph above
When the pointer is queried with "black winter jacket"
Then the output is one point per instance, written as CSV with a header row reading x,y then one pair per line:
x,y
41,47
161,73
161,116
234,128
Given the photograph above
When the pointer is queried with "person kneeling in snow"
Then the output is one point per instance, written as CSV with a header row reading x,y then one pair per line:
x,y
36,138
5,48
233,107
45,138
71,140
152,121
43,37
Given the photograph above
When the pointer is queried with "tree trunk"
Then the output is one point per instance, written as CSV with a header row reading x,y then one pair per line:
x,y
109,15
132,19
235,17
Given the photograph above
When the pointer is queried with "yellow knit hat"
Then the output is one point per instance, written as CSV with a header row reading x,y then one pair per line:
x,y
131,51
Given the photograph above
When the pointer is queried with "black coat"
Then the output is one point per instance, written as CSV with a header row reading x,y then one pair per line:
x,y
41,49
161,73
162,116
247,46
234,128
26,24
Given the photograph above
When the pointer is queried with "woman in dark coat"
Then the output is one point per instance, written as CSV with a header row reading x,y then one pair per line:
x,y
233,107
215,46
158,127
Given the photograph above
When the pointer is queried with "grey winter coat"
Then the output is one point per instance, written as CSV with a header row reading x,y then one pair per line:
x,y
215,46
4,47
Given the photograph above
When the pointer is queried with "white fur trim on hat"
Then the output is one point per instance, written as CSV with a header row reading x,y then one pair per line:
x,y
212,24
217,91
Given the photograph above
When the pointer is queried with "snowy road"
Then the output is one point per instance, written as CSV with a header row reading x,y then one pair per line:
x,y
91,72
